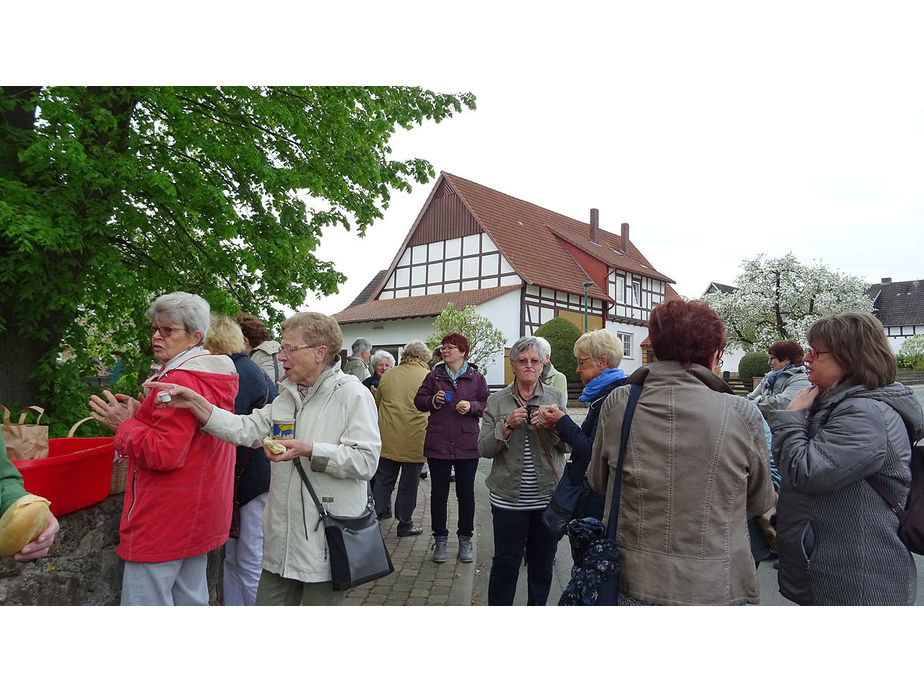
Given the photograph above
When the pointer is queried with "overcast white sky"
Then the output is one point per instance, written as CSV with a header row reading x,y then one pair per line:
x,y
716,130
716,135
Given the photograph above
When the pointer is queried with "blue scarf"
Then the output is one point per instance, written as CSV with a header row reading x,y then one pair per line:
x,y
773,375
593,388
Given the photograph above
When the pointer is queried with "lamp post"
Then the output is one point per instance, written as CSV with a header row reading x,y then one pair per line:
x,y
586,284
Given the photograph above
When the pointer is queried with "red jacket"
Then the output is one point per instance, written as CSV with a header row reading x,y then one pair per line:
x,y
180,481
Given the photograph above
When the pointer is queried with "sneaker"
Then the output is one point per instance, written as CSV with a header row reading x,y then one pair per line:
x,y
411,531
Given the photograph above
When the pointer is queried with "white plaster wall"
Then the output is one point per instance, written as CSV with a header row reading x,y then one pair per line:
x,y
629,364
387,332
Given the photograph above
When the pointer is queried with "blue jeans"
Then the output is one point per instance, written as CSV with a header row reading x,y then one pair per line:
x,y
465,494
517,532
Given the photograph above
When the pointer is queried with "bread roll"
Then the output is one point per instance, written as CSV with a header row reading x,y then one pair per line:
x,y
273,447
22,522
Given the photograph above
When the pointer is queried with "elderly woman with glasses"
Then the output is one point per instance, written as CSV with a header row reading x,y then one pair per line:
x,y
786,377
598,355
528,462
455,393
180,480
843,446
336,443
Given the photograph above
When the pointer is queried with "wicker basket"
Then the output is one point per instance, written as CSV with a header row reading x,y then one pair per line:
x,y
119,465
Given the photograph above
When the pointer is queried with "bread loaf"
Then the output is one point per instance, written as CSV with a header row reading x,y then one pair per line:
x,y
22,522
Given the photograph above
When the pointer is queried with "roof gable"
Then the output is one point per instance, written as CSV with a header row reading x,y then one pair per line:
x,y
418,306
898,303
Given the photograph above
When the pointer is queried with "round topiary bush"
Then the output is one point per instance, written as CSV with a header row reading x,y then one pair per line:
x,y
753,365
561,335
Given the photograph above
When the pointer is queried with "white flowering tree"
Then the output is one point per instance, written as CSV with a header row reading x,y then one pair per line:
x,y
779,299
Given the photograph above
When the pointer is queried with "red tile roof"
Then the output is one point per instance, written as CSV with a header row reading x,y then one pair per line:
x,y
540,259
419,306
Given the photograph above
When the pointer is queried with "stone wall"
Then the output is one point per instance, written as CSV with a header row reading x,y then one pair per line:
x,y
82,567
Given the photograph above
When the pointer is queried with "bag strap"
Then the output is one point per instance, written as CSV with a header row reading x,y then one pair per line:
x,y
635,391
321,511
276,367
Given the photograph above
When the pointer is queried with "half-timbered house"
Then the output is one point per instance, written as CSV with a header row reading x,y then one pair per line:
x,y
519,263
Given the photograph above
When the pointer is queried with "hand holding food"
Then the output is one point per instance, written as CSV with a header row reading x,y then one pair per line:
x,y
273,447
23,522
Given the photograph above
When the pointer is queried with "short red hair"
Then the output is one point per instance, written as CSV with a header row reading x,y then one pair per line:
x,y
685,331
458,340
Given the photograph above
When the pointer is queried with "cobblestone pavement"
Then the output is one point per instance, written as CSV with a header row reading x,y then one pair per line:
x,y
417,580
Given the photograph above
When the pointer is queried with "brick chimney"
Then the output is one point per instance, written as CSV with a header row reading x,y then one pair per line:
x,y
886,280
624,239
594,225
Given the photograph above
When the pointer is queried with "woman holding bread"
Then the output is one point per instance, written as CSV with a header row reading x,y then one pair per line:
x,y
180,481
27,528
336,440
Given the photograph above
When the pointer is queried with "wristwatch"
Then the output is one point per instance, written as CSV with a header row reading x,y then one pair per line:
x,y
507,425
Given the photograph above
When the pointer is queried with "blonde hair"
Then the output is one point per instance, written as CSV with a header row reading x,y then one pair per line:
x,y
316,328
224,336
416,349
601,343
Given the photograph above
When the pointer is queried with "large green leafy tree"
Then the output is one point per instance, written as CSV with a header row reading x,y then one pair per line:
x,y
779,298
110,196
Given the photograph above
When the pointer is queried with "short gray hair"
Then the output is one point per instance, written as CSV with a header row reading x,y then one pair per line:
x,y
543,342
191,310
378,356
524,343
360,345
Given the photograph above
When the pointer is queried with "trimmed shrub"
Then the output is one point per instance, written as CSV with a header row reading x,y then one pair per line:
x,y
753,365
561,335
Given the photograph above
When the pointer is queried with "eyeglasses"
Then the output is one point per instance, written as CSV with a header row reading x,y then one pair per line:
x,y
166,332
581,361
814,353
287,349
448,347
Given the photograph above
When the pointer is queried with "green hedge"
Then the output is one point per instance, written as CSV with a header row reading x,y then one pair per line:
x,y
753,365
561,335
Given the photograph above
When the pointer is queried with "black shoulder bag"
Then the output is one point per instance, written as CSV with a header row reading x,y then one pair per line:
x,y
595,575
357,550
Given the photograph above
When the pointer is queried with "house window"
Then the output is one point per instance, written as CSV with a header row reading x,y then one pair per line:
x,y
626,338
636,292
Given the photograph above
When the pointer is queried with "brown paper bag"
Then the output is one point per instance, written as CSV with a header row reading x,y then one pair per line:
x,y
25,441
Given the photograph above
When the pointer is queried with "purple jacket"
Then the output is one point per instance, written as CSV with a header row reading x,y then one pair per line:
x,y
450,435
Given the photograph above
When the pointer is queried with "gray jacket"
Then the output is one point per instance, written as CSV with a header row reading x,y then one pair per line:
x,y
547,448
787,384
836,537
355,366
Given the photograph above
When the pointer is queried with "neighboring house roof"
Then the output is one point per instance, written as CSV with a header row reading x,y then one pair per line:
x,y
419,306
722,288
898,303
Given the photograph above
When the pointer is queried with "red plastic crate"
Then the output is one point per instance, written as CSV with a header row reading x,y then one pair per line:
x,y
76,474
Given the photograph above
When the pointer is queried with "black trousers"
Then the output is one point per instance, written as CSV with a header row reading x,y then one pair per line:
x,y
383,485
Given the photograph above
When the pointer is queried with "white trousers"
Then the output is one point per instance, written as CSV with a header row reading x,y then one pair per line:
x,y
169,583
244,556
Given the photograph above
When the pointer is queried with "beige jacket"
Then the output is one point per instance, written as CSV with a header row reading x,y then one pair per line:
x,y
696,468
402,426
338,416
